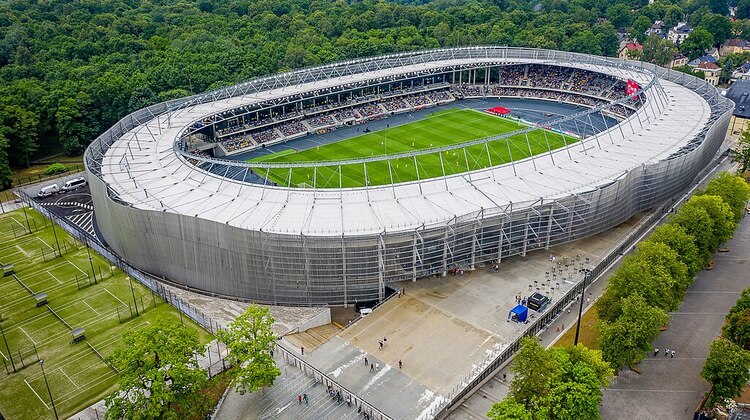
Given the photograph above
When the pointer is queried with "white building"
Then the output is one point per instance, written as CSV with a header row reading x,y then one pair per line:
x,y
679,33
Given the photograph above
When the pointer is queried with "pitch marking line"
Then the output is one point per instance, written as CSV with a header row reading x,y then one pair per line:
x,y
87,304
78,268
54,277
27,335
48,245
37,395
118,299
71,381
21,250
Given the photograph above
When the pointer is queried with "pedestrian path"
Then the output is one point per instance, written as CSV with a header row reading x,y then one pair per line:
x,y
672,388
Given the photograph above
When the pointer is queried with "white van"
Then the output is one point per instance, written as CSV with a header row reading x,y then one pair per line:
x,y
49,190
74,184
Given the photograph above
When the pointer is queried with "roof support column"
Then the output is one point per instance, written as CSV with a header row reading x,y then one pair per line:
x,y
381,267
343,269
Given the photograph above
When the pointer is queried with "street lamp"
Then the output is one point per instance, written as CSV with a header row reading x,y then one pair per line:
x,y
41,363
580,308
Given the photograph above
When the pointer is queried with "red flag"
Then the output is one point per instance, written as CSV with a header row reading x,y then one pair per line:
x,y
632,88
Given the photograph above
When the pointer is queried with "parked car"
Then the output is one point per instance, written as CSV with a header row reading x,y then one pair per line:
x,y
74,184
49,190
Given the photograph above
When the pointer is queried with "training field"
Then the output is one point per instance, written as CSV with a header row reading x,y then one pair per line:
x,y
102,303
439,129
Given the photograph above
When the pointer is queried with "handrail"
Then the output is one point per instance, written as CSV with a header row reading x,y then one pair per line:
x,y
374,412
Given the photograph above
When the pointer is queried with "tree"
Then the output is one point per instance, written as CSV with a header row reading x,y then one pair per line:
x,y
625,341
721,215
737,328
718,25
741,153
657,50
743,9
559,383
74,123
719,6
698,224
697,43
620,15
727,369
6,175
675,237
250,341
159,374
509,409
691,71
640,26
19,126
534,372
733,190
638,275
665,259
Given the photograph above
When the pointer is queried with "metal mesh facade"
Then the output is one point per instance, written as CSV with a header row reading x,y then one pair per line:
x,y
311,269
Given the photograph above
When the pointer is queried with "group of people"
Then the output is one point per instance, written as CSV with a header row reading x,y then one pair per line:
x,y
667,353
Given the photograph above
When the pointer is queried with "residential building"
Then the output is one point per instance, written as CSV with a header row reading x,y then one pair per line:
x,y
704,59
679,33
739,92
658,28
678,60
742,72
630,50
711,71
733,46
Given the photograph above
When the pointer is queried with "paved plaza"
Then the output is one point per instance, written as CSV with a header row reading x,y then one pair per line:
x,y
444,329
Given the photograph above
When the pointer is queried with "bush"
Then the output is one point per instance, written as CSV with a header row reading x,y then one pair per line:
x,y
55,168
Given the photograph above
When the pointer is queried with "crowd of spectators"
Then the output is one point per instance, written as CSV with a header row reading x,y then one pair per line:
x,y
527,80
344,115
395,104
292,128
321,120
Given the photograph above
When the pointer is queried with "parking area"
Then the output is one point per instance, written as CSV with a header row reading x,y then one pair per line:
x,y
76,205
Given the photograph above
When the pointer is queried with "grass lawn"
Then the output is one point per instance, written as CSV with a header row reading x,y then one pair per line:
x,y
589,335
105,308
439,129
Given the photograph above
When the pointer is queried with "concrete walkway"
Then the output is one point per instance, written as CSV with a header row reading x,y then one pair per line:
x,y
673,388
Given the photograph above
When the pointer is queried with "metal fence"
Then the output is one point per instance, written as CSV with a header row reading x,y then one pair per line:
x,y
142,277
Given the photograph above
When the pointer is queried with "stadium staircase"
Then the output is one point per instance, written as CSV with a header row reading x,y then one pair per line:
x,y
314,337
280,400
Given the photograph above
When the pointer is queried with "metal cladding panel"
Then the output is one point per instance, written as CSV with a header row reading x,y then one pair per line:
x,y
307,265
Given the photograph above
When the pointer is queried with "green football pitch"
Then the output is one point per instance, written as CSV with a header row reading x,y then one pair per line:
x,y
101,302
441,128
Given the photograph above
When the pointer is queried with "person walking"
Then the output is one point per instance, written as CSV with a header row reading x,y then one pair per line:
x,y
299,399
399,363
380,344
307,401
302,350
672,354
372,367
666,352
377,367
656,352
366,361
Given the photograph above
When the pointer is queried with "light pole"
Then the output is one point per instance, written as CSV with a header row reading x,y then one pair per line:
x,y
580,308
88,250
12,363
41,363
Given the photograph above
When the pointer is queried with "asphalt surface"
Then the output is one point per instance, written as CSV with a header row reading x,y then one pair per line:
x,y
672,388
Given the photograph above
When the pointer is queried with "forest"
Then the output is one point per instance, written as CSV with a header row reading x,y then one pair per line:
x,y
69,69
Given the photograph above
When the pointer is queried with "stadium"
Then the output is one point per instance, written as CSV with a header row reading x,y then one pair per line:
x,y
324,185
